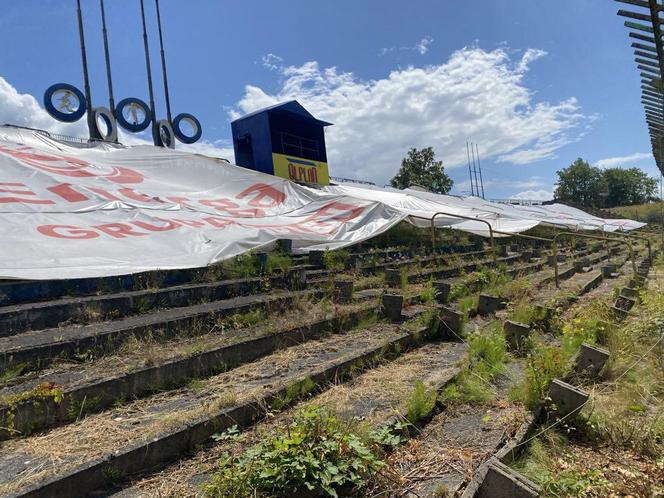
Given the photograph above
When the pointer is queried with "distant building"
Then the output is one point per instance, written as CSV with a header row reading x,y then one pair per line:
x,y
284,140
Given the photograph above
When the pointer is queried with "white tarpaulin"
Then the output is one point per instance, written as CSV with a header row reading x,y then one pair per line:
x,y
68,212
558,215
422,206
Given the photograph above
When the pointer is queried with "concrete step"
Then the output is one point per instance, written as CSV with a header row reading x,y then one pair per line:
x,y
152,431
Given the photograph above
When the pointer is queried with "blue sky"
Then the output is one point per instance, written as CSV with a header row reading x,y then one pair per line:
x,y
536,84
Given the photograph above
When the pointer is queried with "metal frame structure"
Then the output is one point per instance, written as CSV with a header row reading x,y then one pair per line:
x,y
459,216
628,243
640,237
649,57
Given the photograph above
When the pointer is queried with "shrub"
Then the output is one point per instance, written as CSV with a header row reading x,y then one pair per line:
x,y
421,402
317,452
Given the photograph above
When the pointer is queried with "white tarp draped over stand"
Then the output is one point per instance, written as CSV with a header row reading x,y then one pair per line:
x,y
68,212
421,208
558,215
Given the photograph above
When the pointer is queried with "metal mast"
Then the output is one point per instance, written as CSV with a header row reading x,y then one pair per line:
x,y
92,127
479,165
470,173
163,66
153,115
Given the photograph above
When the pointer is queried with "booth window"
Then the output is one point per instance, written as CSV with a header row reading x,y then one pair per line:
x,y
300,146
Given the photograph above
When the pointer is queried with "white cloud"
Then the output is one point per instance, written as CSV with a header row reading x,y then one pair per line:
x,y
475,93
22,109
272,62
529,183
624,161
422,47
534,195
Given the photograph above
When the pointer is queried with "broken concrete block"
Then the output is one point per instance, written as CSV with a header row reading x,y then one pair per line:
x,y
625,303
526,255
297,279
452,322
618,313
629,292
285,245
393,277
442,291
502,250
608,271
392,305
515,247
591,359
566,398
316,258
489,304
343,290
516,334
501,481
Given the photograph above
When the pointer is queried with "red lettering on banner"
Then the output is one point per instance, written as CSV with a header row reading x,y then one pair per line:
x,y
19,189
179,200
65,191
191,223
74,167
265,196
230,207
118,230
66,232
104,193
169,225
137,196
218,222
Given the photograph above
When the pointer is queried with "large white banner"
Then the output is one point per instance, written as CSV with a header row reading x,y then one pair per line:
x,y
68,212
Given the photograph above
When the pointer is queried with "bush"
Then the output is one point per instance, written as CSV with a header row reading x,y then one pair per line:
x,y
317,452
421,403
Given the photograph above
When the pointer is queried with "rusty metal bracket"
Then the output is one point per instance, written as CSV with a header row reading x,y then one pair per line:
x,y
459,216
628,243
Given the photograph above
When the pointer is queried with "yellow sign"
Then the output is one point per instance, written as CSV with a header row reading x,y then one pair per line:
x,y
300,170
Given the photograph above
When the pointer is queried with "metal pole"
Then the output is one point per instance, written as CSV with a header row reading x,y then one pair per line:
x,y
153,115
163,67
92,128
480,167
109,78
640,237
596,237
477,189
470,173
441,213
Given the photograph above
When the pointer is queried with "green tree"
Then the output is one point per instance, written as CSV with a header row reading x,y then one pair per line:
x,y
420,167
582,184
627,187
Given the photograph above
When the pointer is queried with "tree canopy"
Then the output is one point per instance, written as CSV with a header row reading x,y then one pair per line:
x,y
587,185
420,167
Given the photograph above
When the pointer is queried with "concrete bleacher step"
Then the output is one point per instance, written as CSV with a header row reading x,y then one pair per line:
x,y
138,371
43,346
142,434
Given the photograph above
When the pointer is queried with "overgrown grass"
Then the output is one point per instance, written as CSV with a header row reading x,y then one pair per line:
x,y
335,260
316,452
487,358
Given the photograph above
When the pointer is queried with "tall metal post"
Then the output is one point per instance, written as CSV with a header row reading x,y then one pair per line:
x,y
477,188
92,127
470,173
109,78
480,168
163,67
153,115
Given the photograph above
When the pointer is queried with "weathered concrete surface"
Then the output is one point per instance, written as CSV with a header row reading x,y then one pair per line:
x,y
516,334
392,305
591,359
488,305
502,482
566,398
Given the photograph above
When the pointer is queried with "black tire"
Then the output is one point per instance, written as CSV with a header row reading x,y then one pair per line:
x,y
166,137
195,123
134,128
107,116
62,116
